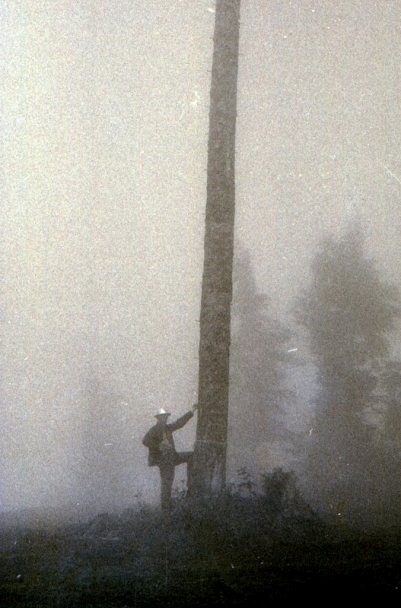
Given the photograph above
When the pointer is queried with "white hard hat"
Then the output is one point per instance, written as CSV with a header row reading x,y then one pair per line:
x,y
162,412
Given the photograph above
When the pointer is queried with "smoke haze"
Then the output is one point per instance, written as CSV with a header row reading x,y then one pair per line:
x,y
104,131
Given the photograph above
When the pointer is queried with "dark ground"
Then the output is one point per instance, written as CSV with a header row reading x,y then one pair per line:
x,y
235,552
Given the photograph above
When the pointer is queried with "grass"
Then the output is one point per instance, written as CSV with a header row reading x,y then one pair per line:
x,y
243,547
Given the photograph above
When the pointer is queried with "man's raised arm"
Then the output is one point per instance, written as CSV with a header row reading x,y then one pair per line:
x,y
178,424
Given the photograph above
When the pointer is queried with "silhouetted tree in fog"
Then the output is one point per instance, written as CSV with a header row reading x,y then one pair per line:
x,y
348,311
388,438
259,356
390,396
104,445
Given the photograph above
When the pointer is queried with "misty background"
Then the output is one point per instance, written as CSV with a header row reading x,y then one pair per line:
x,y
104,142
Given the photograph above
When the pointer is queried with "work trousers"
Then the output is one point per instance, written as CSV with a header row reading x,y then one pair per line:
x,y
167,471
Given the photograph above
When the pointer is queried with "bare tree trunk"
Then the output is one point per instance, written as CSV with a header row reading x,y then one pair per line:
x,y
209,465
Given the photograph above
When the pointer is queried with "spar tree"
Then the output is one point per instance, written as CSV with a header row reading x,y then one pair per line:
x,y
209,465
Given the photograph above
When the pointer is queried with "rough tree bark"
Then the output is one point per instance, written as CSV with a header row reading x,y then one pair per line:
x,y
210,448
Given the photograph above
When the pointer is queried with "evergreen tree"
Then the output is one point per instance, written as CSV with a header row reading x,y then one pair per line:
x,y
104,450
259,359
389,439
390,397
348,312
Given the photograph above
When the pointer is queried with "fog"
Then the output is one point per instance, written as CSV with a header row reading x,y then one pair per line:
x,y
104,142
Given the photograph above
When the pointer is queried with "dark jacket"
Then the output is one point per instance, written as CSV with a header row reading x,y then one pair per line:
x,y
154,437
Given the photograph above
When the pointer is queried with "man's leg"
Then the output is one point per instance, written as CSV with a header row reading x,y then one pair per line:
x,y
186,457
167,478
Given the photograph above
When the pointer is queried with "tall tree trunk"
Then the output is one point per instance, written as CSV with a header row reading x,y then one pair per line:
x,y
209,465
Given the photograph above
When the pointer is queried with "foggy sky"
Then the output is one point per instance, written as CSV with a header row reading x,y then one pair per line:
x,y
104,137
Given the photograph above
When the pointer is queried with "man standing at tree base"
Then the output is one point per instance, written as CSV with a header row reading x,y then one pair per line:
x,y
162,453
